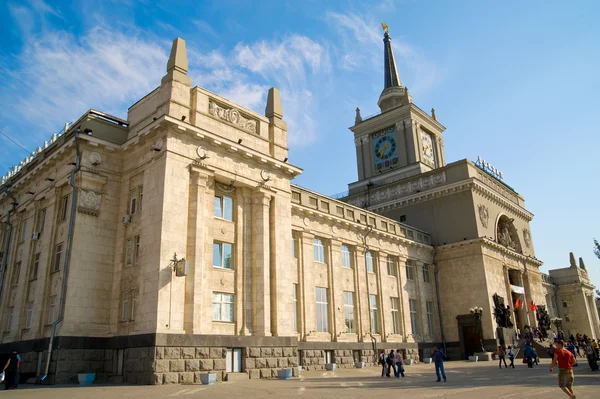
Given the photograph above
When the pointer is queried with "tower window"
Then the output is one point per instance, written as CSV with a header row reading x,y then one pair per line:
x,y
402,218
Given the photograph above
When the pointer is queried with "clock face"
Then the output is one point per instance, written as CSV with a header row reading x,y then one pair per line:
x,y
385,149
428,152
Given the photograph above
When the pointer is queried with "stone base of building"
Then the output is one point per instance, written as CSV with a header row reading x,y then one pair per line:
x,y
155,359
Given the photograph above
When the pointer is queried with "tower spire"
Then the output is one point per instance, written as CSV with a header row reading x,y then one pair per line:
x,y
390,73
393,94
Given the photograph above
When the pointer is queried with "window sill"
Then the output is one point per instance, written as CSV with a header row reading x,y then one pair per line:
x,y
223,219
126,321
321,263
224,322
54,271
346,267
223,269
33,279
391,275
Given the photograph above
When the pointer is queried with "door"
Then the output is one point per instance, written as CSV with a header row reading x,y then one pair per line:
x,y
233,361
471,339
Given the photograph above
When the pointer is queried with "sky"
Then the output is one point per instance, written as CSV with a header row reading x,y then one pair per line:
x,y
514,82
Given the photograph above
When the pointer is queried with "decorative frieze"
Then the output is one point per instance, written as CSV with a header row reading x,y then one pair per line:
x,y
232,115
89,202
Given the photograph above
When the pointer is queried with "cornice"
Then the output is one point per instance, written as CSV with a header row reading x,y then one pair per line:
x,y
486,242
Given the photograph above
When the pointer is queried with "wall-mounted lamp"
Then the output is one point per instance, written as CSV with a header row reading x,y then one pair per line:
x,y
180,266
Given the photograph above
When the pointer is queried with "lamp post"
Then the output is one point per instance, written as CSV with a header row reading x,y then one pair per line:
x,y
476,312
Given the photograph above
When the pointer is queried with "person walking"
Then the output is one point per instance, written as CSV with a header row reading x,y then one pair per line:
x,y
511,357
566,361
390,363
591,356
438,358
11,371
399,359
501,357
383,362
529,353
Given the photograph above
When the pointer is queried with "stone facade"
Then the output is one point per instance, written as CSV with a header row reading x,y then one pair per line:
x,y
174,243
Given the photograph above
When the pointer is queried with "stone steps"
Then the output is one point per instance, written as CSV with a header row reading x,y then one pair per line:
x,y
236,377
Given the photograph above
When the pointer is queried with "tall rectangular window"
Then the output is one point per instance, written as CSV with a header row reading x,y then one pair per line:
x,y
62,210
129,252
322,316
369,262
374,314
319,249
295,303
9,318
41,220
346,257
52,309
222,252
294,244
223,207
141,201
36,266
349,311
57,256
134,299
391,266
430,319
426,274
132,201
414,316
395,316
16,273
23,231
222,307
410,271
29,315
136,249
126,306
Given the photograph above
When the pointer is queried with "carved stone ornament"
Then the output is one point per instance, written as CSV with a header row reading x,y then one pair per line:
x,y
527,238
158,144
265,175
306,221
225,188
232,115
484,215
334,229
95,158
201,152
89,202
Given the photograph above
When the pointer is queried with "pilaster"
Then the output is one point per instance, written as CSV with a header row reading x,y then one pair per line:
x,y
261,286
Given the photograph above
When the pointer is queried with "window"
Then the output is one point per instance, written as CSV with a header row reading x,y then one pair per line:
x,y
57,256
125,310
312,201
294,244
62,210
346,257
134,299
9,318
132,201
372,221
373,313
319,250
325,206
141,191
410,271
349,311
16,273
222,255
29,315
395,316
402,218
322,316
222,307
52,310
350,214
295,196
339,210
369,262
565,304
363,219
426,274
223,207
295,302
136,249
41,220
23,231
391,266
129,252
413,315
36,266
384,225
430,320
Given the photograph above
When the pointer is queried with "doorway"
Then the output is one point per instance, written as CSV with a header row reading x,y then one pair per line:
x,y
471,340
233,362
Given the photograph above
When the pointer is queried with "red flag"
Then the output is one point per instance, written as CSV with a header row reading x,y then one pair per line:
x,y
532,307
518,304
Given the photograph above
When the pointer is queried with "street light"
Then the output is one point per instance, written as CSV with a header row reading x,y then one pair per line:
x,y
476,312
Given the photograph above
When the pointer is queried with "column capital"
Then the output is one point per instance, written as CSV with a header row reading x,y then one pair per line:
x,y
261,197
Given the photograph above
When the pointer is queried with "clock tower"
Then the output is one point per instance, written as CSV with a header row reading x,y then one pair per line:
x,y
402,140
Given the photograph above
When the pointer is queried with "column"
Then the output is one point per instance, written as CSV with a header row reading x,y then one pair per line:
x,y
525,284
357,291
261,306
335,297
381,274
509,298
240,260
305,287
194,301
362,295
248,304
401,298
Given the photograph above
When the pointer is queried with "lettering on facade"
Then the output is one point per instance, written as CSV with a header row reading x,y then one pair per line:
x,y
232,115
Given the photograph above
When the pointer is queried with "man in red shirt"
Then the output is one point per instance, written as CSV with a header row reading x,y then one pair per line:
x,y
566,361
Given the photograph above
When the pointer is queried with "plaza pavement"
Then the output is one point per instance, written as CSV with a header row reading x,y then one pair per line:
x,y
465,380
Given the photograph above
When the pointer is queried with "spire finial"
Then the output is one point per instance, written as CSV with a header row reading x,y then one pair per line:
x,y
581,264
433,114
391,77
177,66
572,259
358,118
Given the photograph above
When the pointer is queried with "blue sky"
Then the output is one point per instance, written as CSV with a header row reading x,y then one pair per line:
x,y
514,83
